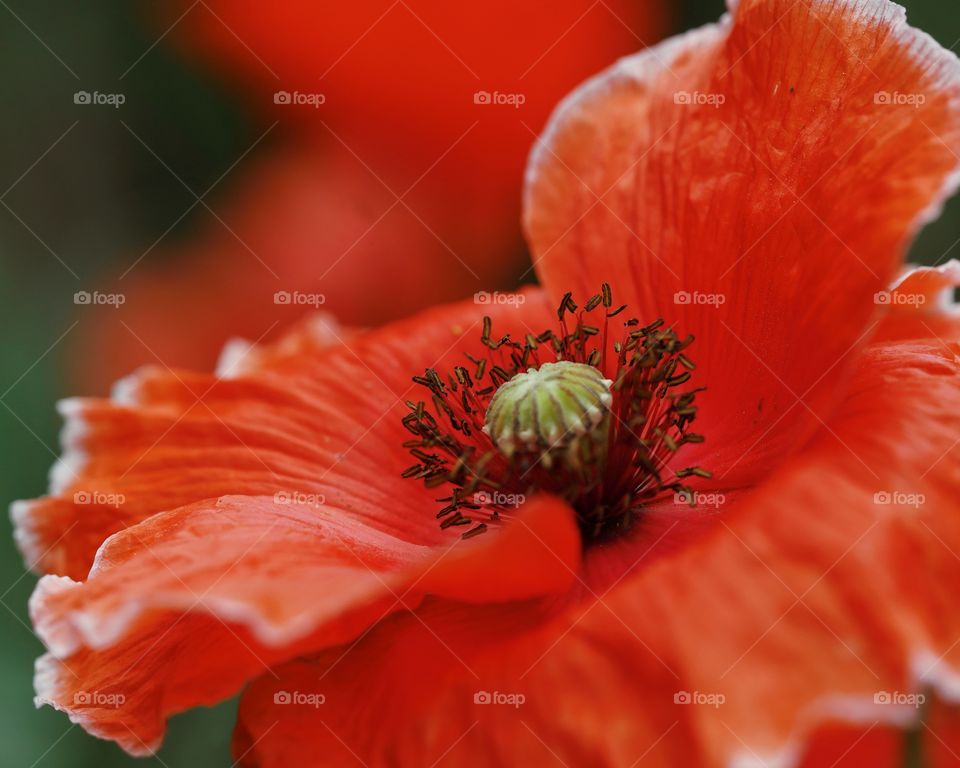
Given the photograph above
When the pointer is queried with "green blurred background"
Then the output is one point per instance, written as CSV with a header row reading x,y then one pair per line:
x,y
92,200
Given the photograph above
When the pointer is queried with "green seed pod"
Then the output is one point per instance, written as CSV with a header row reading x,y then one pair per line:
x,y
560,411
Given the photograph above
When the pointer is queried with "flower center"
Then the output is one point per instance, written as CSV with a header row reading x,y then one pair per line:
x,y
577,412
561,410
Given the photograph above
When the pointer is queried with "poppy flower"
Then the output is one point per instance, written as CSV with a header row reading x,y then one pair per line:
x,y
322,213
407,74
692,502
301,224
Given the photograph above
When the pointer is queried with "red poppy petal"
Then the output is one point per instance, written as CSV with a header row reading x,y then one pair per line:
x,y
754,182
825,595
921,306
940,734
842,745
302,417
832,745
431,688
410,77
927,290
311,335
934,740
311,224
183,608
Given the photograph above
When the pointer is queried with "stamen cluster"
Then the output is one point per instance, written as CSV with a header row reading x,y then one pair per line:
x,y
608,486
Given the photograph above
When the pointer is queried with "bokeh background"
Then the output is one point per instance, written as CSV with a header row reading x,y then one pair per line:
x,y
199,198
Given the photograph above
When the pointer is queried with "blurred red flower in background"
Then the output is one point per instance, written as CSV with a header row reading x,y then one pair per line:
x,y
401,77
399,191
203,532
